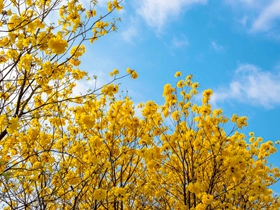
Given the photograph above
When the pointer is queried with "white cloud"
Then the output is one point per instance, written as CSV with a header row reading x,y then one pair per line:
x,y
244,21
245,3
267,17
156,13
248,1
129,34
257,15
252,86
216,47
181,41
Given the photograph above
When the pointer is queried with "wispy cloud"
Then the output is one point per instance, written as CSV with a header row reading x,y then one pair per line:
x,y
216,47
258,15
246,3
129,34
251,85
180,41
268,16
244,21
157,13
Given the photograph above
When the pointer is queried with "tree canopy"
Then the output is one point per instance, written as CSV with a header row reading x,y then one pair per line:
x,y
95,151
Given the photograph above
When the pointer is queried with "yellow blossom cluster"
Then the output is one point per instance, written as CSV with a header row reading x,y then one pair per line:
x,y
114,72
110,90
75,53
133,73
114,5
58,45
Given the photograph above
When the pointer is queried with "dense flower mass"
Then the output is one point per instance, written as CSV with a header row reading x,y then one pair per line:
x,y
58,45
97,150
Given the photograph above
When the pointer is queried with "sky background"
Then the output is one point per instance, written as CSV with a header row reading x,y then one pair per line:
x,y
230,46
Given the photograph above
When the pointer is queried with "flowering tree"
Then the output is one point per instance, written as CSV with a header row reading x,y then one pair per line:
x,y
197,164
91,151
40,59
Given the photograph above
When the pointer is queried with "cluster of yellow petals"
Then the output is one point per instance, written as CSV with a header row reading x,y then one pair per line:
x,y
114,4
57,44
133,73
114,72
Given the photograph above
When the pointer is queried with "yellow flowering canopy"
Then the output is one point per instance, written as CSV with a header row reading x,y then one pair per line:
x,y
101,151
41,43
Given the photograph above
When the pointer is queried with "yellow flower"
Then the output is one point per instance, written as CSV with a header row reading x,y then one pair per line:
x,y
189,77
167,90
58,45
180,84
78,51
206,198
116,5
176,115
194,187
134,75
200,207
114,72
74,181
110,6
3,59
99,194
119,192
241,122
13,124
178,74
128,70
2,121
207,93
234,118
195,85
87,120
1,5
4,41
75,62
91,13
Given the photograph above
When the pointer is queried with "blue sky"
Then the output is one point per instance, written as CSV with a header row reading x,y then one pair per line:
x,y
230,46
